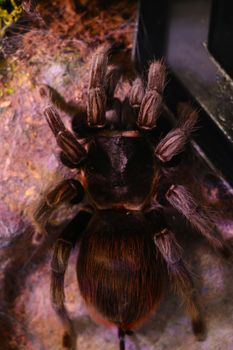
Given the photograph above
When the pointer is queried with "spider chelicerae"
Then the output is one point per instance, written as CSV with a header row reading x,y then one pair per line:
x,y
127,252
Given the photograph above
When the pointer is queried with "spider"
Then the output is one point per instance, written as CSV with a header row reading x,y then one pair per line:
x,y
127,252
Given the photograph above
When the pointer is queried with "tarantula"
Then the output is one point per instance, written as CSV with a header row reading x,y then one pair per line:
x,y
127,253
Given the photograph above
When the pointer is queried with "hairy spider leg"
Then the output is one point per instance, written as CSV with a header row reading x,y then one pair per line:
x,y
181,279
111,80
62,250
174,142
58,101
96,103
113,104
102,85
136,93
151,104
73,151
65,191
132,103
180,198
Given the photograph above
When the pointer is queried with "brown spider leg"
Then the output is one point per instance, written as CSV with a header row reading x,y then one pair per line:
x,y
112,77
113,105
174,142
136,93
151,104
96,104
68,143
134,100
59,263
181,279
62,250
65,191
53,97
181,200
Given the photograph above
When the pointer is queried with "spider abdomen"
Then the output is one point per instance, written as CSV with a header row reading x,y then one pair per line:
x,y
119,272
120,171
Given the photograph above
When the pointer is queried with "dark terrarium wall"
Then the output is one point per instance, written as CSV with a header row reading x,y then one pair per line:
x,y
55,48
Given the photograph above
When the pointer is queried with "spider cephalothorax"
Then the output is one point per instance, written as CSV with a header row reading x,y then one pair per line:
x,y
127,253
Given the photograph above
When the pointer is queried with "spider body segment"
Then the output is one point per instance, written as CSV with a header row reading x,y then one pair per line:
x,y
120,171
118,270
127,253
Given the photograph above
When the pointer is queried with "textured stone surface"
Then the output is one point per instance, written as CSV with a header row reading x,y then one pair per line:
x,y
29,165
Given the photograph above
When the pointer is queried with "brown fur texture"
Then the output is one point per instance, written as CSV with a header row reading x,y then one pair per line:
x,y
119,271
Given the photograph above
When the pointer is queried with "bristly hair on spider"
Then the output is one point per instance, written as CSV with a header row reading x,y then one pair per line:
x,y
127,254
